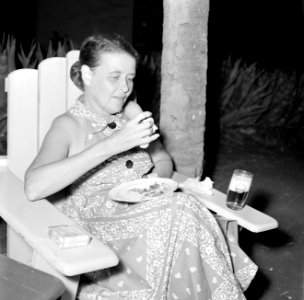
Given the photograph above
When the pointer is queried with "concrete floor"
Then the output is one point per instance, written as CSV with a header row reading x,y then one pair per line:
x,y
278,190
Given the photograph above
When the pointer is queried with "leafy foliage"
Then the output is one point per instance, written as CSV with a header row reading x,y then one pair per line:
x,y
255,104
260,105
3,130
265,107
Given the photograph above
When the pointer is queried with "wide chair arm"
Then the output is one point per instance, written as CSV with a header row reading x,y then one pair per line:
x,y
30,221
249,218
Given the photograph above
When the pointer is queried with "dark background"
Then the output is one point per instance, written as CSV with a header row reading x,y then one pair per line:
x,y
268,32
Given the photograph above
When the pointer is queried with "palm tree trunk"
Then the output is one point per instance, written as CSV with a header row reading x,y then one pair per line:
x,y
183,87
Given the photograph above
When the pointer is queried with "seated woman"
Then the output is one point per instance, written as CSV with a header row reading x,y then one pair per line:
x,y
170,247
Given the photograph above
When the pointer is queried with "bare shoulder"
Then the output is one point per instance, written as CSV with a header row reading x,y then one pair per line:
x,y
65,121
64,129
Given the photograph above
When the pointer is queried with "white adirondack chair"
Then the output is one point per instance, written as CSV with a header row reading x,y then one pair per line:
x,y
35,98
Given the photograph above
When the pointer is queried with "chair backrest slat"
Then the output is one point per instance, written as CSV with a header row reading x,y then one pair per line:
x,y
35,99
22,138
72,91
52,92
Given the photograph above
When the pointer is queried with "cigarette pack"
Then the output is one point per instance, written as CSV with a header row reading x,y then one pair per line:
x,y
69,236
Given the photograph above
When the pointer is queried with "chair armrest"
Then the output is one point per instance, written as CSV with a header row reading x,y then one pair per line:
x,y
32,219
248,217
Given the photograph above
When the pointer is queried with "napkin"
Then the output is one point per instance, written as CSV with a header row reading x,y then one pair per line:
x,y
194,184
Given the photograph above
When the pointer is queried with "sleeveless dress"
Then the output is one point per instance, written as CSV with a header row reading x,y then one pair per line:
x,y
171,247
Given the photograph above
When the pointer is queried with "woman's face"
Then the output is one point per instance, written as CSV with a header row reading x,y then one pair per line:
x,y
111,83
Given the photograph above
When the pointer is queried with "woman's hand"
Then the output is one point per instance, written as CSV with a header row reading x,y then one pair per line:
x,y
137,132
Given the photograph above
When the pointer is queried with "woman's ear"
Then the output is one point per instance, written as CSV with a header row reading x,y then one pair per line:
x,y
86,74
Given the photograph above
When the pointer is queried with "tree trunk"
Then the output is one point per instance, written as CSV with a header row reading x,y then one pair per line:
x,y
183,87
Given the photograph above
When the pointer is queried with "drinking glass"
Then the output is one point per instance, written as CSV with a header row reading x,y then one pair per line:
x,y
238,189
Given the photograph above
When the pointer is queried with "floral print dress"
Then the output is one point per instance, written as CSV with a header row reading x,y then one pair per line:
x,y
171,247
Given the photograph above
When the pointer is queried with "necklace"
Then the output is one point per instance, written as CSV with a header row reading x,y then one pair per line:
x,y
106,125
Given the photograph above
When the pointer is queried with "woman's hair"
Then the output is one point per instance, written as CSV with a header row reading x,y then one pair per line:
x,y
93,47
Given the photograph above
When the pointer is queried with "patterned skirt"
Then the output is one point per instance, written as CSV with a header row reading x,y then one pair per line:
x,y
171,247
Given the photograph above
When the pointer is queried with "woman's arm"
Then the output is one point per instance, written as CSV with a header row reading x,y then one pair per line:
x,y
163,165
53,169
162,161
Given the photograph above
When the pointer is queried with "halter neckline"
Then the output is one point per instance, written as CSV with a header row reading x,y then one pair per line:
x,y
99,123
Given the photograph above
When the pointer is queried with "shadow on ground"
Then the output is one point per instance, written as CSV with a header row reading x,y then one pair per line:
x,y
278,190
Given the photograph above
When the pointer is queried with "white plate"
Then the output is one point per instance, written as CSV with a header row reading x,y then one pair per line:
x,y
142,189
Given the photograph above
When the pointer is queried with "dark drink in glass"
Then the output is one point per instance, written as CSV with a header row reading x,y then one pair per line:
x,y
238,189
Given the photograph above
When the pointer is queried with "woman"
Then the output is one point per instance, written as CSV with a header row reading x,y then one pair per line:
x,y
170,247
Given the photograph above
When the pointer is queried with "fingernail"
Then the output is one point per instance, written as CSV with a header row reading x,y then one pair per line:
x,y
144,146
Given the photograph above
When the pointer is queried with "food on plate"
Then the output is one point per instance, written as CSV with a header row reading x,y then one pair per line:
x,y
152,190
143,189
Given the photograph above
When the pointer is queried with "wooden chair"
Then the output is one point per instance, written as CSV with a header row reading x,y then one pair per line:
x,y
35,98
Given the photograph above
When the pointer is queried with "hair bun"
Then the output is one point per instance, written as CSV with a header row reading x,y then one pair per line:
x,y
75,75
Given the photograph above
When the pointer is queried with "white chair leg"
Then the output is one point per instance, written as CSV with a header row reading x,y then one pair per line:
x,y
71,282
17,248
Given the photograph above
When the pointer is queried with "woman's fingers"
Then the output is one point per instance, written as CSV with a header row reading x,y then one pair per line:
x,y
149,138
150,131
149,123
148,126
140,131
143,122
142,116
154,128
